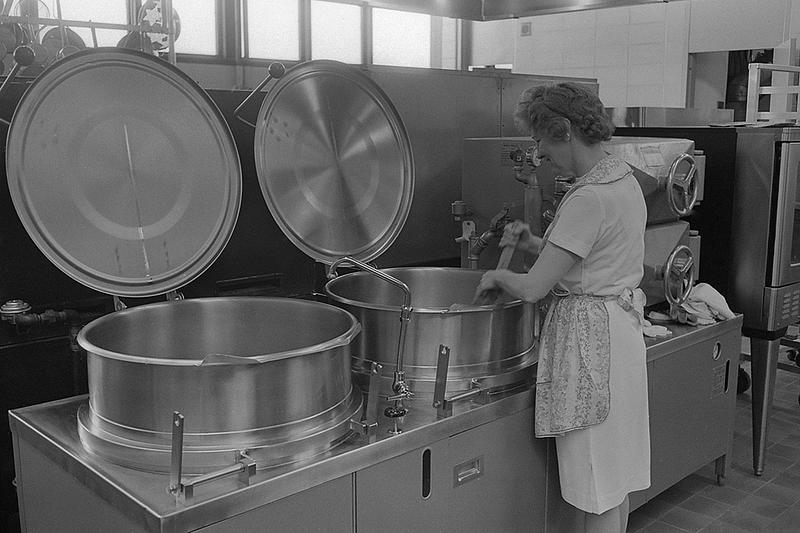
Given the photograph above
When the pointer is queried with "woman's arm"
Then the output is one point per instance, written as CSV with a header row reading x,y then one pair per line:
x,y
553,263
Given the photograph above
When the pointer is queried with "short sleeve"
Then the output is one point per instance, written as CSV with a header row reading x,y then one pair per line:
x,y
579,221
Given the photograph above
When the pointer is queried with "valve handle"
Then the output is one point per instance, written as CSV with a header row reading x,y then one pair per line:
x,y
679,275
682,190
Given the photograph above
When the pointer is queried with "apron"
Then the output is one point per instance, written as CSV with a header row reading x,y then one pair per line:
x,y
572,380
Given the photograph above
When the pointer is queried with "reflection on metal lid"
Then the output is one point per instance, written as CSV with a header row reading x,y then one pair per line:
x,y
123,172
334,162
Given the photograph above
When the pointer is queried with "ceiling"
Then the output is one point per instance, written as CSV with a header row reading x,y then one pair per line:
x,y
500,9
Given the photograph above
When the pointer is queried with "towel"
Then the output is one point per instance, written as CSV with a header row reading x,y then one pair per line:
x,y
707,304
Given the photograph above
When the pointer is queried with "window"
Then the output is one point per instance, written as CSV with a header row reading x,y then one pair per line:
x,y
198,26
272,29
113,11
335,31
401,39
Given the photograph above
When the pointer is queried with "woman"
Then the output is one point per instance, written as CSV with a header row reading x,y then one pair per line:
x,y
591,390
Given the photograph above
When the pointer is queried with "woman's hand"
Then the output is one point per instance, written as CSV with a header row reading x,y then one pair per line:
x,y
519,235
488,288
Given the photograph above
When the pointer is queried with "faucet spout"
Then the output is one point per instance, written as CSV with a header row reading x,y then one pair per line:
x,y
400,387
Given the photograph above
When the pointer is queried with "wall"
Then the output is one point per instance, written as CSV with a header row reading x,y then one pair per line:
x,y
628,49
717,25
710,73
492,42
638,54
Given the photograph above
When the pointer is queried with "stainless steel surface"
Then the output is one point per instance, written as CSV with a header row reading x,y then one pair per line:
x,y
765,250
648,117
500,9
786,266
660,241
484,340
692,402
764,365
53,467
123,172
266,375
664,173
142,498
765,235
400,388
334,162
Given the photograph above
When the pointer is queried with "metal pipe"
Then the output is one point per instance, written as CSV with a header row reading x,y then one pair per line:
x,y
399,386
477,245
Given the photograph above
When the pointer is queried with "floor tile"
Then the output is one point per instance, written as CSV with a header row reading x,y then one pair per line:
x,y
724,494
655,508
787,521
705,506
762,506
637,521
746,520
722,527
662,527
686,519
778,493
745,503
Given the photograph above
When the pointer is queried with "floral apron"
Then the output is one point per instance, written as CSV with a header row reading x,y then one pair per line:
x,y
572,381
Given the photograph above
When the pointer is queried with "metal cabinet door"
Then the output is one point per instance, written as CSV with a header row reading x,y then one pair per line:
x,y
326,508
489,478
692,407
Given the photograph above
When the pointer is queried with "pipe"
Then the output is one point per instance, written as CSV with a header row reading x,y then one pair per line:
x,y
477,245
399,386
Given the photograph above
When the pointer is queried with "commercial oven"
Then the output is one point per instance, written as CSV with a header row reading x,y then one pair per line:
x,y
765,256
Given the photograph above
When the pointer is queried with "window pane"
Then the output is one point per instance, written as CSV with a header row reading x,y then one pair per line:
x,y
198,27
273,29
335,31
113,11
400,38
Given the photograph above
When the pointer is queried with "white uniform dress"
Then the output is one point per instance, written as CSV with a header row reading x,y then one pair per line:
x,y
604,225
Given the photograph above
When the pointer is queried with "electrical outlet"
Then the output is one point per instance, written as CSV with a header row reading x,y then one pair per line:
x,y
525,29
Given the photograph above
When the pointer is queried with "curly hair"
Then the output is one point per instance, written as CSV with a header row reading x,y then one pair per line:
x,y
543,108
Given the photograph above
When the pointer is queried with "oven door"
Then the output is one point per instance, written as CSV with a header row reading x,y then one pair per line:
x,y
786,260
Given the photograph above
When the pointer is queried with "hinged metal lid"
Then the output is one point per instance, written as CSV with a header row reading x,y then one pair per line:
x,y
123,172
334,162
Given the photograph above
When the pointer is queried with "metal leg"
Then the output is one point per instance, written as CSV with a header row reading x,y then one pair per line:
x,y
720,465
764,361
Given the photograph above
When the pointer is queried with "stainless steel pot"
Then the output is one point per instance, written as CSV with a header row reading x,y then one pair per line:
x,y
267,375
495,342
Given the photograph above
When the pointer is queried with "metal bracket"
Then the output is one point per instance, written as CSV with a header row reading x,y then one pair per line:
x,y
444,406
244,466
368,424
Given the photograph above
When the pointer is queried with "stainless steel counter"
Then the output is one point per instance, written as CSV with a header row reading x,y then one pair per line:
x,y
50,458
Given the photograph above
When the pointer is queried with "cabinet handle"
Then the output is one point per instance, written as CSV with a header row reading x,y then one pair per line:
x,y
467,471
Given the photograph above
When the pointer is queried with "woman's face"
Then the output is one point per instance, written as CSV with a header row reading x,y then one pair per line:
x,y
558,152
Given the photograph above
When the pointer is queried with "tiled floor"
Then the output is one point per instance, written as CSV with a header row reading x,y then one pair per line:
x,y
745,503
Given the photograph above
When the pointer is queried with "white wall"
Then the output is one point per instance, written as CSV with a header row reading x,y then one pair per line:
x,y
638,54
493,42
718,25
